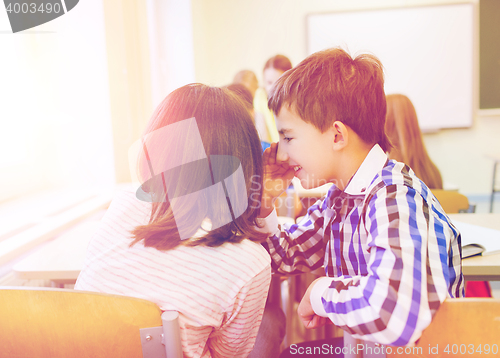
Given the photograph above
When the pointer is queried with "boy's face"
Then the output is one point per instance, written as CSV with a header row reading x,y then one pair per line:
x,y
308,150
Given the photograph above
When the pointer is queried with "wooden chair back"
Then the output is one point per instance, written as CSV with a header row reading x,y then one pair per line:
x,y
461,327
451,201
52,323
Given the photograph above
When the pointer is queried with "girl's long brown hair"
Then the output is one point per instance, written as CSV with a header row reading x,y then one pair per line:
x,y
404,133
226,129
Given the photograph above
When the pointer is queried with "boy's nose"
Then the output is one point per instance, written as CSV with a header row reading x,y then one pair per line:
x,y
281,155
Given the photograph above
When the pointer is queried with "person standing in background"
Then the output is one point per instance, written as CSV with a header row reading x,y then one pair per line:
x,y
264,118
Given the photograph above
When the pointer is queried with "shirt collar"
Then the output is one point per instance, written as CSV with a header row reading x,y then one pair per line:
x,y
371,166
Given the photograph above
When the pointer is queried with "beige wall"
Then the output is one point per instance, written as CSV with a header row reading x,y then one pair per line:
x,y
232,35
461,154
129,77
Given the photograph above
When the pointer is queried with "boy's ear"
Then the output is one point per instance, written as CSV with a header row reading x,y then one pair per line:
x,y
340,135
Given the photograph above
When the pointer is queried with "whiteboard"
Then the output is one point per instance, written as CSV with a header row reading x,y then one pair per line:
x,y
427,54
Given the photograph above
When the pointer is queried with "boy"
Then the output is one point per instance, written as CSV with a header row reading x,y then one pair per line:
x,y
390,254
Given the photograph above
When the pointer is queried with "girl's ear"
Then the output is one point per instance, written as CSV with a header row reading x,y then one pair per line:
x,y
340,135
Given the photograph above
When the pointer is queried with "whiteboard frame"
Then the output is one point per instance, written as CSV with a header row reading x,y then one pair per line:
x,y
475,111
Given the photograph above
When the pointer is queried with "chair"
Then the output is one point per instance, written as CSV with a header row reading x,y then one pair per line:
x,y
460,325
453,202
48,322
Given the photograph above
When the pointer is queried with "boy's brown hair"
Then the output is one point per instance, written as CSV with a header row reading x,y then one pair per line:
x,y
331,86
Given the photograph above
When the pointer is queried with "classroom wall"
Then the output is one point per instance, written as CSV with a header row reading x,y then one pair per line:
x,y
230,35
233,35
489,29
129,69
461,154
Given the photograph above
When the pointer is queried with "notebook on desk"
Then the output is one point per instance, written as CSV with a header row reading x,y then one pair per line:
x,y
478,240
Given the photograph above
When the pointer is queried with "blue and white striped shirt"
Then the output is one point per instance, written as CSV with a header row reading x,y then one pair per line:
x,y
391,255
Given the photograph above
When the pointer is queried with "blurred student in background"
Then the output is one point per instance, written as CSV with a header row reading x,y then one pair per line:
x,y
243,93
404,133
248,79
264,118
246,96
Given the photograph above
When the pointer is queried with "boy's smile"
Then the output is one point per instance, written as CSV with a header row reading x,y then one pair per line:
x,y
308,151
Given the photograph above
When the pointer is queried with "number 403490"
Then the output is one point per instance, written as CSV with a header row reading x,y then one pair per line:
x,y
32,8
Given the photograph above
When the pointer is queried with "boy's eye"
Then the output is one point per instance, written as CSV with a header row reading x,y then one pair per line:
x,y
287,139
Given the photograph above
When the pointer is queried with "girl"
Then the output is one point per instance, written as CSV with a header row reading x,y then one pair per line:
x,y
402,128
185,239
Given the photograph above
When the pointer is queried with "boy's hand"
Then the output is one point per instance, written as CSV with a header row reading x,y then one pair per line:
x,y
306,313
278,176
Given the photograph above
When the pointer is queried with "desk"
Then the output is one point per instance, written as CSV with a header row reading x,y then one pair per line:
x,y
59,260
481,268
